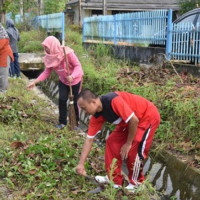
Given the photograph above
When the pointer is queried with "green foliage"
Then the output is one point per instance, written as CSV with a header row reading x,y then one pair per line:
x,y
32,46
44,163
36,159
5,5
51,6
103,73
15,6
179,116
31,41
188,5
75,28
110,192
146,191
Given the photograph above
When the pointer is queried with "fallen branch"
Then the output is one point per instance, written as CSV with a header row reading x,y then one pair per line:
x,y
172,67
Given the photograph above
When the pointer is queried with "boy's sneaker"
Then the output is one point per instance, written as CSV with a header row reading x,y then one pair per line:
x,y
131,188
60,126
102,179
116,186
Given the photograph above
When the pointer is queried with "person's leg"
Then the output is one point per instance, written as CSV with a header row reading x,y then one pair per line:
x,y
140,150
134,163
75,91
113,146
4,71
16,65
12,69
62,102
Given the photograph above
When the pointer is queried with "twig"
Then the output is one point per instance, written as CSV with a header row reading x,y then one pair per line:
x,y
172,67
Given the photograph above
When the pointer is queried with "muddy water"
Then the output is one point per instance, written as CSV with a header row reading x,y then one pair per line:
x,y
170,176
173,177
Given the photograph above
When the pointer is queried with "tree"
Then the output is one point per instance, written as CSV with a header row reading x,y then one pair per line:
x,y
52,6
22,7
187,5
4,4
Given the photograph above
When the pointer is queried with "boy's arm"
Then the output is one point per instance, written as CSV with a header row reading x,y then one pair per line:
x,y
94,128
80,169
122,109
132,128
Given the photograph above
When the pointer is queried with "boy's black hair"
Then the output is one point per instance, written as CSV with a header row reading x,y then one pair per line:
x,y
87,94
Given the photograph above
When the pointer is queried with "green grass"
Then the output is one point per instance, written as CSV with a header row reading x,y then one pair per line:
x,y
37,161
31,41
23,118
178,104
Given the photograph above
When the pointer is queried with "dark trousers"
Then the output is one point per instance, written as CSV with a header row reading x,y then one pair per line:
x,y
64,92
14,66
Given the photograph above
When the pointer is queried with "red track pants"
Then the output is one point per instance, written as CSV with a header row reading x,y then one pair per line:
x,y
138,152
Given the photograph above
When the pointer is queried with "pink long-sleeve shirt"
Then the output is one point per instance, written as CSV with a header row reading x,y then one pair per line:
x,y
75,70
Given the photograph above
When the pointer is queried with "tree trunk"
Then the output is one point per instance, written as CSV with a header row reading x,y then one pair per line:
x,y
80,23
2,14
40,7
197,3
104,7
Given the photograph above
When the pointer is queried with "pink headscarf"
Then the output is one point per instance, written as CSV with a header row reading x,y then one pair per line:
x,y
56,55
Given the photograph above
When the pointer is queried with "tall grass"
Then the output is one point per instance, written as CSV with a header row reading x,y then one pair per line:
x,y
179,116
31,41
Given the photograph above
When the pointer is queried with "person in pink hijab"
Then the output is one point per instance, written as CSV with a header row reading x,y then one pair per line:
x,y
54,60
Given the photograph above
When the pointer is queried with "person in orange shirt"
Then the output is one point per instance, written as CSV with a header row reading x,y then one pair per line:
x,y
136,121
6,55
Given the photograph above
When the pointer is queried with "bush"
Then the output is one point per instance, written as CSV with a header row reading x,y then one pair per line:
x,y
31,41
186,6
178,106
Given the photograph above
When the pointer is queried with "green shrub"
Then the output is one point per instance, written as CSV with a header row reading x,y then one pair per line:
x,y
179,115
31,41
32,46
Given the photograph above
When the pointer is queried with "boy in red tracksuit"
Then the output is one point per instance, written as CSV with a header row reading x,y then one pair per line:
x,y
136,121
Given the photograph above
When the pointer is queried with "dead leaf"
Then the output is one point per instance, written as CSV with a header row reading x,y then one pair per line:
x,y
96,167
30,142
17,144
76,190
32,171
3,162
187,146
197,146
197,157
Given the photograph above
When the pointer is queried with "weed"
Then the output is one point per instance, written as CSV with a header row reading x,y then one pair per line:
x,y
110,191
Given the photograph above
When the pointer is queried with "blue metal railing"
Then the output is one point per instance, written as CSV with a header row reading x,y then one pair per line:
x,y
153,27
137,27
51,22
169,35
186,42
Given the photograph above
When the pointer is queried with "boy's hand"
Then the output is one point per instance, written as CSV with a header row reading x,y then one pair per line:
x,y
125,150
80,169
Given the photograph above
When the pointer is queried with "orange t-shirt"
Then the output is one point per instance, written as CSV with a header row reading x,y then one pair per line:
x,y
5,51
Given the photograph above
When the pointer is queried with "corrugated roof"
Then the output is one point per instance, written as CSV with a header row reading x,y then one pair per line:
x,y
72,2
128,4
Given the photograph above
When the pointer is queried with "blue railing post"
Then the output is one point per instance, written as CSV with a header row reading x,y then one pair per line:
x,y
47,18
169,35
115,30
63,28
83,30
